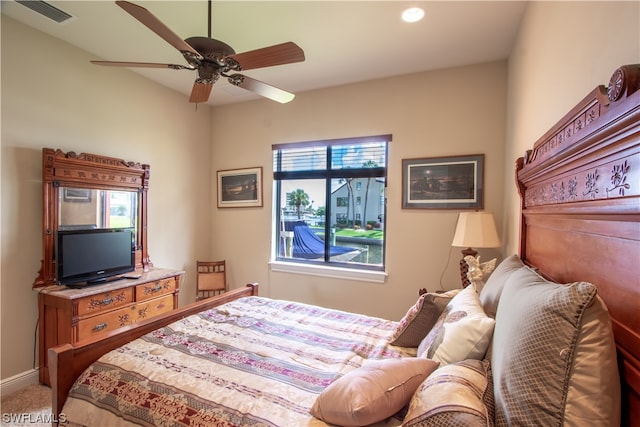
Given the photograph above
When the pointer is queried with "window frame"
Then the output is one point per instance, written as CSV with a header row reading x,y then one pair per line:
x,y
328,174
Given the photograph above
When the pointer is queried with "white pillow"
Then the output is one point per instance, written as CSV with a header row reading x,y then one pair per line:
x,y
463,331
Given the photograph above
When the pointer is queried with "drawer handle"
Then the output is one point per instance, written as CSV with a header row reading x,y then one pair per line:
x,y
106,301
156,288
99,327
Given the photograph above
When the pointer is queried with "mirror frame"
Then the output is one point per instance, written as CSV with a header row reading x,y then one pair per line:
x,y
91,171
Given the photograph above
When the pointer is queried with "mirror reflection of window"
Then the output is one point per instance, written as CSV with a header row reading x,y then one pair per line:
x,y
81,208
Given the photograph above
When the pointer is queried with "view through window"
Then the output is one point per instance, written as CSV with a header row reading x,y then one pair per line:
x,y
330,199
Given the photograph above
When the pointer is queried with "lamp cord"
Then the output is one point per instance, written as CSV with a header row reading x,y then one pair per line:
x,y
445,267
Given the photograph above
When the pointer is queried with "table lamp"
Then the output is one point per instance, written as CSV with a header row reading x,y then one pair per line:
x,y
474,229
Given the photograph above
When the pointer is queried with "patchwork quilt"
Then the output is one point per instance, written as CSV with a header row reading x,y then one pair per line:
x,y
251,362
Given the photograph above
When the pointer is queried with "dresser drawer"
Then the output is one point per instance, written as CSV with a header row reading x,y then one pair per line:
x,y
104,301
102,323
155,289
105,322
154,307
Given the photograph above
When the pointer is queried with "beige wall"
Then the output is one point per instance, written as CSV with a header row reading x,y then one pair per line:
x,y
564,50
442,113
52,97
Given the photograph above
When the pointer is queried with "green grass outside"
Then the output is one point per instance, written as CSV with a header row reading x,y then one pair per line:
x,y
369,234
350,232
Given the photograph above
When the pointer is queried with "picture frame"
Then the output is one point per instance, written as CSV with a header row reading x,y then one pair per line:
x,y
454,182
81,195
240,188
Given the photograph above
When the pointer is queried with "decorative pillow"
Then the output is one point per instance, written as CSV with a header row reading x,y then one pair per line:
x,y
373,392
460,394
463,331
593,395
479,272
420,318
543,330
492,289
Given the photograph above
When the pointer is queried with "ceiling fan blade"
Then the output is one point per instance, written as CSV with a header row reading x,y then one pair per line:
x,y
200,92
279,54
155,25
261,88
142,65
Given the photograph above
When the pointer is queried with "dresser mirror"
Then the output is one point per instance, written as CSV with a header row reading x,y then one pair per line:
x,y
82,208
84,191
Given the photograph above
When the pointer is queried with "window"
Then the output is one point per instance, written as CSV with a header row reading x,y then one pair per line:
x,y
318,217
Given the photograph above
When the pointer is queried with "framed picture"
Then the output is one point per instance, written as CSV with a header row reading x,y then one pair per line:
x,y
443,182
240,188
76,194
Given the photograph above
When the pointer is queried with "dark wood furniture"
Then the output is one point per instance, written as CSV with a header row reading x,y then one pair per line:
x,y
580,188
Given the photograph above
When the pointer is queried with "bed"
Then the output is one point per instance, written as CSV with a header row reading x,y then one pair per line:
x,y
276,361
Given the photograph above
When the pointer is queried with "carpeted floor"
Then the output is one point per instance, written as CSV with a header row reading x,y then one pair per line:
x,y
30,406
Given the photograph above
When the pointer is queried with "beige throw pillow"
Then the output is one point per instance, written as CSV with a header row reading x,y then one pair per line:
x,y
553,356
593,393
492,289
373,392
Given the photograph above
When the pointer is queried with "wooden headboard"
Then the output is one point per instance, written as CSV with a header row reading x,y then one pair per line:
x,y
580,204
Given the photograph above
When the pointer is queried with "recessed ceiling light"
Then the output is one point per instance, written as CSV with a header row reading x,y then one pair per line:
x,y
413,14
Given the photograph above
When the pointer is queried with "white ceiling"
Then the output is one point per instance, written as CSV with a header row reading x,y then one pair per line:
x,y
344,41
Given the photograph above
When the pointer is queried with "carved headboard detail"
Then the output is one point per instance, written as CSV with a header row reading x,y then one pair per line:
x,y
580,204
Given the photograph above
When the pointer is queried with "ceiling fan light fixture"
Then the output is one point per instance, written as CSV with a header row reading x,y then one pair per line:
x,y
412,14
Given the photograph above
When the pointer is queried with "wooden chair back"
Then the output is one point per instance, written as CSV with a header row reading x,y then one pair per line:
x,y
211,279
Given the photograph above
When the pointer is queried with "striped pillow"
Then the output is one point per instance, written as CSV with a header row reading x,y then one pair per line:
x,y
460,394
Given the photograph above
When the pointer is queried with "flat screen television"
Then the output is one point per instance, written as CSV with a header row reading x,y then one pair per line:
x,y
90,256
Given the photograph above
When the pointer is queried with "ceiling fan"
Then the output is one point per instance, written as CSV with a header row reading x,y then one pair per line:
x,y
212,58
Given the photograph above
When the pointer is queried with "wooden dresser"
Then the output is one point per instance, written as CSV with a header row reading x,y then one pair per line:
x,y
78,315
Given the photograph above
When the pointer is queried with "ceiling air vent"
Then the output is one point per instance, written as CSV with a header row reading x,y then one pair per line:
x,y
45,9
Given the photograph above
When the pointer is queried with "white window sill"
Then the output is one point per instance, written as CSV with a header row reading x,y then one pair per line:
x,y
329,271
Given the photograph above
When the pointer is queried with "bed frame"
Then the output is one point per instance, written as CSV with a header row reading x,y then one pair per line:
x,y
580,192
580,204
67,362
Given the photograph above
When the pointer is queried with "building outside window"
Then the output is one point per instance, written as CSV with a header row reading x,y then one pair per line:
x,y
319,219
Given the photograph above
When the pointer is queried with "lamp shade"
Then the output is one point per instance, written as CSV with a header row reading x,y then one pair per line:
x,y
476,230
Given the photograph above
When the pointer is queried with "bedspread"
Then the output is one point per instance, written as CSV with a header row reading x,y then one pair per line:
x,y
251,362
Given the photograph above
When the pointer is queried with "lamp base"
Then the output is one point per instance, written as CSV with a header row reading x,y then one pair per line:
x,y
464,268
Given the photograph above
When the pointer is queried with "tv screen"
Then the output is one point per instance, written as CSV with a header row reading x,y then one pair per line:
x,y
91,256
